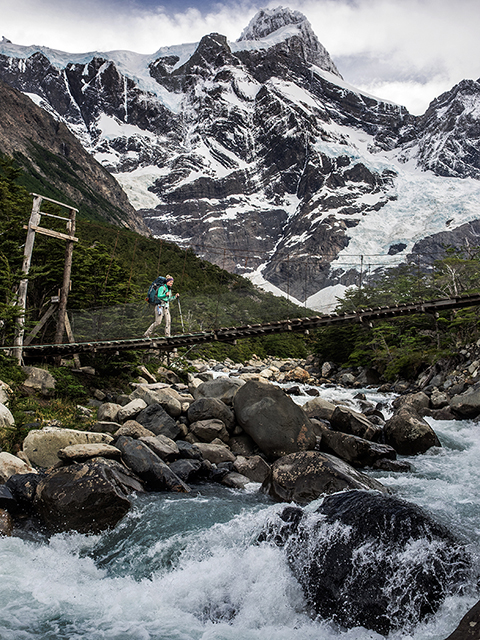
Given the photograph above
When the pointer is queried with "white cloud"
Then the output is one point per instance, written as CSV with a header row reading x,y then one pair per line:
x,y
424,45
416,95
406,51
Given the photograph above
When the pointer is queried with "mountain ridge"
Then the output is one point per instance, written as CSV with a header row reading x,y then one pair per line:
x,y
257,157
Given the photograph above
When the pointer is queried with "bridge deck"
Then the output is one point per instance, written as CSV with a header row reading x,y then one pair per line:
x,y
231,334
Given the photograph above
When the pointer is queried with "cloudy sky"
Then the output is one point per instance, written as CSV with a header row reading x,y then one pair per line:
x,y
408,51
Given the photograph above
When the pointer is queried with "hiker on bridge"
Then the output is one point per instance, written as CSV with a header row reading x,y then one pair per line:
x,y
160,294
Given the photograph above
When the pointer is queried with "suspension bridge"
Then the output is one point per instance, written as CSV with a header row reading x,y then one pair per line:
x,y
230,335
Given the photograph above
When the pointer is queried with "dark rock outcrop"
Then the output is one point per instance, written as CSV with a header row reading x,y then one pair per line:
x,y
466,405
356,451
158,421
347,420
469,627
87,497
358,561
409,434
148,466
210,408
23,488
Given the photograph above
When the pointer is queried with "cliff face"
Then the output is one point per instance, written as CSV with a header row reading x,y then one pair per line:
x,y
259,155
48,149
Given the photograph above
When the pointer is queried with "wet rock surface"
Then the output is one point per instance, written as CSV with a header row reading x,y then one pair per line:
x,y
358,563
305,476
86,497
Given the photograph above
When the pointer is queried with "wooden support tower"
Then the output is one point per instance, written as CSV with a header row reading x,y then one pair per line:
x,y
32,228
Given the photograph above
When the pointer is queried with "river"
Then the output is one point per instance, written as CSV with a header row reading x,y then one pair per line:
x,y
186,567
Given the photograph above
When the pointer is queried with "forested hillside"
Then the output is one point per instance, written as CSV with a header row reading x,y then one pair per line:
x,y
112,268
56,165
403,347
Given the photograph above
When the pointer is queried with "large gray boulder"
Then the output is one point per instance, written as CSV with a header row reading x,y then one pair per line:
x,y
466,405
190,470
87,497
221,388
105,426
347,420
41,445
272,419
319,408
11,465
159,422
210,408
214,452
130,410
255,468
356,451
133,429
108,412
413,402
164,447
148,466
168,398
83,452
409,434
39,380
208,430
305,476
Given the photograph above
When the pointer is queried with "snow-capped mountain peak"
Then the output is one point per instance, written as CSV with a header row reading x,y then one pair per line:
x,y
268,21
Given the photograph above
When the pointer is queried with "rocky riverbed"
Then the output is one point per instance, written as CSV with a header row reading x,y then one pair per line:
x,y
233,426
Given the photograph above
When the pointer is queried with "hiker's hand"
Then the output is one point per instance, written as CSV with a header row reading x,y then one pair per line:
x,y
177,295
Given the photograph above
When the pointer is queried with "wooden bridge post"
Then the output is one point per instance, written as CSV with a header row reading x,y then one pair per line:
x,y
67,270
23,286
33,227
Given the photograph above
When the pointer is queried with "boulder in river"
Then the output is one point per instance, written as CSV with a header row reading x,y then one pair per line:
x,y
356,451
87,497
469,627
23,488
148,466
305,476
273,420
349,421
466,405
409,434
370,559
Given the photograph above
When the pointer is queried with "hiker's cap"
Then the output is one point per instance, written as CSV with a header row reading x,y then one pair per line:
x,y
169,279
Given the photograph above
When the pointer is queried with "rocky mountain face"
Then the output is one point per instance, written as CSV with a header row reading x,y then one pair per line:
x,y
54,157
259,156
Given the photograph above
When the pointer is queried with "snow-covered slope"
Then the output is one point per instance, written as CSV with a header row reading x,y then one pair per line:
x,y
259,156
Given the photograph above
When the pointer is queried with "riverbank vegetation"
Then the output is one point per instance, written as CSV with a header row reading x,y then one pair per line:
x,y
403,347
